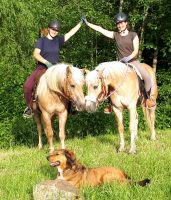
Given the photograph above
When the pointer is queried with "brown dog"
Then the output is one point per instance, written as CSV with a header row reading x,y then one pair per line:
x,y
71,170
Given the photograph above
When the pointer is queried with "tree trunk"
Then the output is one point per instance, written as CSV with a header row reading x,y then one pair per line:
x,y
121,5
142,29
155,59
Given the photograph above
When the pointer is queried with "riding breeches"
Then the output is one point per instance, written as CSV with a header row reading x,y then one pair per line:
x,y
145,75
30,84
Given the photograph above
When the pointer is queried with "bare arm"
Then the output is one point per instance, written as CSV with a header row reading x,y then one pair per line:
x,y
103,31
37,56
136,47
72,31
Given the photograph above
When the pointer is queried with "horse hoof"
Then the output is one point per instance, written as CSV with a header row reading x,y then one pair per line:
x,y
39,147
132,152
153,138
120,150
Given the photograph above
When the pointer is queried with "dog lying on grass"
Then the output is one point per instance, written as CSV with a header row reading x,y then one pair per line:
x,y
71,170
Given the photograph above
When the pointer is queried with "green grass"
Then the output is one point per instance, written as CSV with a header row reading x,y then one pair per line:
x,y
21,167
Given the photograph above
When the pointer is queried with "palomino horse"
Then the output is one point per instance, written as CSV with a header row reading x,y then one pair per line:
x,y
57,86
120,82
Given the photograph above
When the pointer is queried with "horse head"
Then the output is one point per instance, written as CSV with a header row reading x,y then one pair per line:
x,y
96,88
74,87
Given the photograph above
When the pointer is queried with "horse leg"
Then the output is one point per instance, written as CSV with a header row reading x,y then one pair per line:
x,y
48,130
62,121
133,128
119,117
136,125
37,119
150,117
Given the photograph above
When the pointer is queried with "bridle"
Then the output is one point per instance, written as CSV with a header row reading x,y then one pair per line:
x,y
114,90
104,90
67,94
105,94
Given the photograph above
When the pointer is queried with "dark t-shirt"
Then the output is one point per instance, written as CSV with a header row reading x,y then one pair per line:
x,y
50,48
124,44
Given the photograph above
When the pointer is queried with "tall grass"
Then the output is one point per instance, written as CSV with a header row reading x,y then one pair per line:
x,y
21,167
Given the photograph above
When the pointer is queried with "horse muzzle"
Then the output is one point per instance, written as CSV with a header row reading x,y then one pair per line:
x,y
79,104
91,103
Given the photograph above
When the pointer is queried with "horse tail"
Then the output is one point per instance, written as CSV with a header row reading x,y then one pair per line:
x,y
141,183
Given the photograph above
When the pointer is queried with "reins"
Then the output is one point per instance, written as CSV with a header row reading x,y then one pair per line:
x,y
115,90
68,96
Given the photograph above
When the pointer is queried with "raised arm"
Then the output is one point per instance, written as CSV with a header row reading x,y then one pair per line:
x,y
72,31
103,31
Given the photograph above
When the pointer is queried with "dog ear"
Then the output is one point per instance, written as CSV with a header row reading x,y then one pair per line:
x,y
70,156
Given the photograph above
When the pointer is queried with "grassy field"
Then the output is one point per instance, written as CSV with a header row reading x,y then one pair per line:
x,y
21,167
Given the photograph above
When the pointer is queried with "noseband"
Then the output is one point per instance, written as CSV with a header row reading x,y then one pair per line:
x,y
105,94
69,95
102,95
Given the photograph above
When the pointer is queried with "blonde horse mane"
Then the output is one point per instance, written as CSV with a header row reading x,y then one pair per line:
x,y
54,78
114,68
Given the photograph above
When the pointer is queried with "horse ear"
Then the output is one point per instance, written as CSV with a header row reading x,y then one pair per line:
x,y
85,71
100,72
68,71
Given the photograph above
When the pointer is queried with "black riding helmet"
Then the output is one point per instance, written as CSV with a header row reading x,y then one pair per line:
x,y
121,17
54,25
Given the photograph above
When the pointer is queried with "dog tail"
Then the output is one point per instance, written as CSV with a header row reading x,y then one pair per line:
x,y
140,183
144,182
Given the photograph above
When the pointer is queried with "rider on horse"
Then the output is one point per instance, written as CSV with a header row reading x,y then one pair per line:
x,y
46,52
127,43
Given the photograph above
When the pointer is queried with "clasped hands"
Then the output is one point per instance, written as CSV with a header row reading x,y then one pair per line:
x,y
84,20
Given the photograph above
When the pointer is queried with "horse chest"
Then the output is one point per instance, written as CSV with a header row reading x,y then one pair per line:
x,y
118,100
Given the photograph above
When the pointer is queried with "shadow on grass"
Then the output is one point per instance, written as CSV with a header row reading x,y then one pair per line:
x,y
24,130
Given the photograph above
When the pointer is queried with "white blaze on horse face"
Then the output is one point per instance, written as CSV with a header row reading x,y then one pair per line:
x,y
94,89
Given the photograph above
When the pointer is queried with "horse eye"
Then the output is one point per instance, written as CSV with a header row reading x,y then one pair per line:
x,y
72,86
95,87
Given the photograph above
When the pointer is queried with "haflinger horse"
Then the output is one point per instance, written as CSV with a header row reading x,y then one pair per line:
x,y
120,82
59,85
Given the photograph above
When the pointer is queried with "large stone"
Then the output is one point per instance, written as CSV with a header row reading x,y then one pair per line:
x,y
55,190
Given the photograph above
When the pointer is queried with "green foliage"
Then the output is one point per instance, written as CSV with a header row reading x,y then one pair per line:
x,y
164,100
7,139
20,24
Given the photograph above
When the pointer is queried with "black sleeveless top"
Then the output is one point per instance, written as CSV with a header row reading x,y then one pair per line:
x,y
124,44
